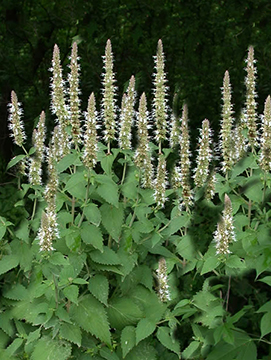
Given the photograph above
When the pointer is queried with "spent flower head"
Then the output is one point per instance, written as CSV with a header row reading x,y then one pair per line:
x,y
15,123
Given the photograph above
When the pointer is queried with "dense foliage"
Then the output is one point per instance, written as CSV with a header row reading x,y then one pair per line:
x,y
126,252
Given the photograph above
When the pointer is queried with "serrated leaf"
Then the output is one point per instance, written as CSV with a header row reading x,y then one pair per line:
x,y
107,257
7,263
48,349
145,327
123,312
71,292
71,333
23,231
5,323
14,346
3,229
108,190
16,292
15,160
163,335
92,235
143,351
190,350
186,248
242,165
58,259
210,264
99,287
235,262
76,185
128,339
66,161
112,219
32,336
108,354
93,214
266,280
176,224
91,316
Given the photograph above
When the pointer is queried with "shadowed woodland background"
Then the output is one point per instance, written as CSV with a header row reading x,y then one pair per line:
x,y
201,38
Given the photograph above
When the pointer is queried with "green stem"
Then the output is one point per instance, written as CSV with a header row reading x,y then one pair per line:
x,y
124,170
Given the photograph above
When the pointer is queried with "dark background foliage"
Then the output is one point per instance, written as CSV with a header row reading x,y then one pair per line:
x,y
201,38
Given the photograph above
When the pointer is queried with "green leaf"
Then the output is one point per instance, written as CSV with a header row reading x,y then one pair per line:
x,y
92,235
107,189
145,327
210,264
66,161
6,323
108,354
163,335
48,349
190,350
99,287
244,164
15,160
93,214
107,257
186,248
23,231
266,280
112,220
58,259
16,292
33,336
73,239
176,224
3,229
76,185
14,346
7,263
123,312
234,261
128,339
266,324
71,333
91,316
71,292
143,351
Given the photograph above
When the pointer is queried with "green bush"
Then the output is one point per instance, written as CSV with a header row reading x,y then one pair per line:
x,y
126,252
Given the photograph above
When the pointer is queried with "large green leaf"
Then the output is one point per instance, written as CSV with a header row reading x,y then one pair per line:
x,y
99,287
112,219
71,292
163,335
108,189
107,257
145,327
266,324
76,185
93,214
92,235
128,339
71,332
143,351
48,349
91,316
123,312
7,263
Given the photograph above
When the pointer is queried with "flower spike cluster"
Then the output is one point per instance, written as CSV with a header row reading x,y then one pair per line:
x,y
142,154
160,182
251,104
224,233
226,125
127,116
160,93
90,136
109,101
265,152
74,101
15,123
204,155
163,287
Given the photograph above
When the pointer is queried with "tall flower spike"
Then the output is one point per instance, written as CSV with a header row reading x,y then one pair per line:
x,y
74,92
250,110
58,103
109,101
90,136
35,167
127,116
224,233
265,152
185,161
142,153
163,287
174,137
15,123
160,182
204,155
160,93
226,143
